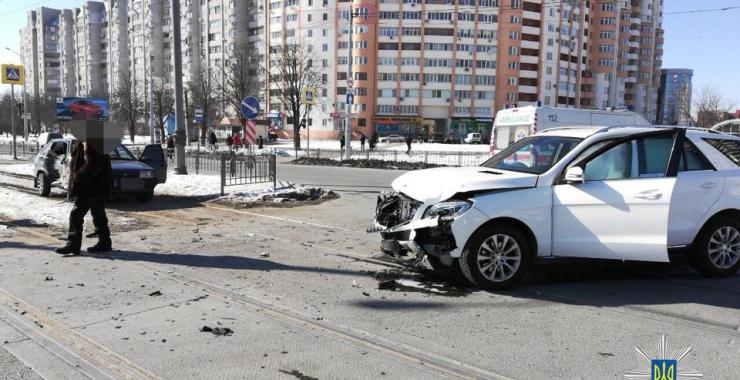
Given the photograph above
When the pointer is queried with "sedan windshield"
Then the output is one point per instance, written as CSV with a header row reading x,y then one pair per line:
x,y
534,154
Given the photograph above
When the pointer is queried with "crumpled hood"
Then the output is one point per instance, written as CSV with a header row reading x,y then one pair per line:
x,y
436,185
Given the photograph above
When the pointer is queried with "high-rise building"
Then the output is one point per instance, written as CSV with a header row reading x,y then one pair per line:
x,y
40,52
423,67
674,97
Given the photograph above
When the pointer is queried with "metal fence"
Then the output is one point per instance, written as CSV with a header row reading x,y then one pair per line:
x,y
432,158
249,169
23,149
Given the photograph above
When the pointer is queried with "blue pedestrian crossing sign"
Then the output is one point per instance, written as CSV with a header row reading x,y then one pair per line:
x,y
350,98
12,74
250,107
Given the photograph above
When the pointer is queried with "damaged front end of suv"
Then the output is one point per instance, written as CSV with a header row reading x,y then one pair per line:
x,y
412,230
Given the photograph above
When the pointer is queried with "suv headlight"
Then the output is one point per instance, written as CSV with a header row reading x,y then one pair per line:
x,y
146,174
448,209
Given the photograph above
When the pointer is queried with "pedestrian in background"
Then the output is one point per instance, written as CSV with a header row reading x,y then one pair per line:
x,y
89,186
229,142
170,146
260,142
408,144
341,142
212,140
362,142
237,141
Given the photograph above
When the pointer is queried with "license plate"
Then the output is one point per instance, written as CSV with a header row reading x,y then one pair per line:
x,y
132,184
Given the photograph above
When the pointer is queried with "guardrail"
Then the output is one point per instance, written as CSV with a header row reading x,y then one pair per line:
x,y
249,169
23,149
427,157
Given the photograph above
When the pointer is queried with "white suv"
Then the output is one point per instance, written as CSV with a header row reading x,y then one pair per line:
x,y
621,193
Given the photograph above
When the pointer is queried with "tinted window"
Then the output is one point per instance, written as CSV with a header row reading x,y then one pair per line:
x,y
615,163
121,153
692,159
730,148
654,153
639,158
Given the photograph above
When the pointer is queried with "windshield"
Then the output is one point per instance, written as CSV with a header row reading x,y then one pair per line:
x,y
122,153
534,154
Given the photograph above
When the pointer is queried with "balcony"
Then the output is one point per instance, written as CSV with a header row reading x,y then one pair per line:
x,y
528,89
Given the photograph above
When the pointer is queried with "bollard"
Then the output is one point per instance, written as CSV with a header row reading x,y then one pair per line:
x,y
197,161
426,157
459,158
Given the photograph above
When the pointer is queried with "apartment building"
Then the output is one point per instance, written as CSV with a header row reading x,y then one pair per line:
x,y
40,52
428,67
419,67
674,97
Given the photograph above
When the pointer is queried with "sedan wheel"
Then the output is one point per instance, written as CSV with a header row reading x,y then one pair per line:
x,y
717,249
495,257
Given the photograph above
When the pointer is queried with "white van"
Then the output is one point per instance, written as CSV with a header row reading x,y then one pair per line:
x,y
513,124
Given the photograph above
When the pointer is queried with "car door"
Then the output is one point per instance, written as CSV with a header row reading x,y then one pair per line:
x,y
153,155
698,187
621,209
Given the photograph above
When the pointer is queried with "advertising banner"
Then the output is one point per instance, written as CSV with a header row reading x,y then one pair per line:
x,y
82,109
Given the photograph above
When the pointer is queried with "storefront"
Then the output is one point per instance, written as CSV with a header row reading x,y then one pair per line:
x,y
397,125
461,126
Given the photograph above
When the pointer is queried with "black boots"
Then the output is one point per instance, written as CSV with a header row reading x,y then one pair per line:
x,y
101,246
68,249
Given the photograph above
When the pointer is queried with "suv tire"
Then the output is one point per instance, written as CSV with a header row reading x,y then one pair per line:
x,y
716,251
43,187
496,257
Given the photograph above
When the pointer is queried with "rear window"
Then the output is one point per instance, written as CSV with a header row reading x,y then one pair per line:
x,y
730,148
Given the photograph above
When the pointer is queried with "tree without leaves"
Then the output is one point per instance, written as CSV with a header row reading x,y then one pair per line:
x,y
163,103
708,108
292,69
43,112
204,90
242,78
128,106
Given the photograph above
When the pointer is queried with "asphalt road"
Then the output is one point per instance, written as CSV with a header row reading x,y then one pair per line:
x,y
338,178
301,290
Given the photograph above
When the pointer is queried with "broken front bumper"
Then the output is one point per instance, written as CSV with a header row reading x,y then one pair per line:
x,y
442,238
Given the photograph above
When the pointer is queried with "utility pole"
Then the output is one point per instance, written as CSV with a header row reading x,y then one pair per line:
x,y
151,95
180,167
348,121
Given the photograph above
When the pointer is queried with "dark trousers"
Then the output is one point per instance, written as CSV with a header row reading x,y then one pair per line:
x,y
77,219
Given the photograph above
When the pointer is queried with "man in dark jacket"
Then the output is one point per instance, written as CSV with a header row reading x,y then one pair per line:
x,y
89,186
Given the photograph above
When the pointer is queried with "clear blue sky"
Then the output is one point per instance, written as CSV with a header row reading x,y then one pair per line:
x,y
705,42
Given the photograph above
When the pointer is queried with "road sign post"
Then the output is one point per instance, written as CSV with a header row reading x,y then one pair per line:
x,y
309,99
12,75
250,109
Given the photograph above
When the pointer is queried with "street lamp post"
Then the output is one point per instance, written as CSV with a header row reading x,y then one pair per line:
x,y
180,135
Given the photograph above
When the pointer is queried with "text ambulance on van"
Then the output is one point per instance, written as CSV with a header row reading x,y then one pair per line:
x,y
513,124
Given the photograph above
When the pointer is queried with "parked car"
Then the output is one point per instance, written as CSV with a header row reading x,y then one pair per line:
x,y
618,193
129,174
45,137
392,139
473,138
83,110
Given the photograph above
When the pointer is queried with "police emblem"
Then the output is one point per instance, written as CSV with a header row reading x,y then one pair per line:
x,y
664,363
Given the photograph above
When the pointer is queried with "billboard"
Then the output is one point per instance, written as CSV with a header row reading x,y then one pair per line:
x,y
82,109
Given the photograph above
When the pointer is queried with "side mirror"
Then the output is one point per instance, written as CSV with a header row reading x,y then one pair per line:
x,y
574,175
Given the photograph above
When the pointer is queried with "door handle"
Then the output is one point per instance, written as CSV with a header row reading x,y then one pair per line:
x,y
649,195
708,185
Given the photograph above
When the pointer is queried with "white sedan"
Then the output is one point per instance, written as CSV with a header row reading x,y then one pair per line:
x,y
619,193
